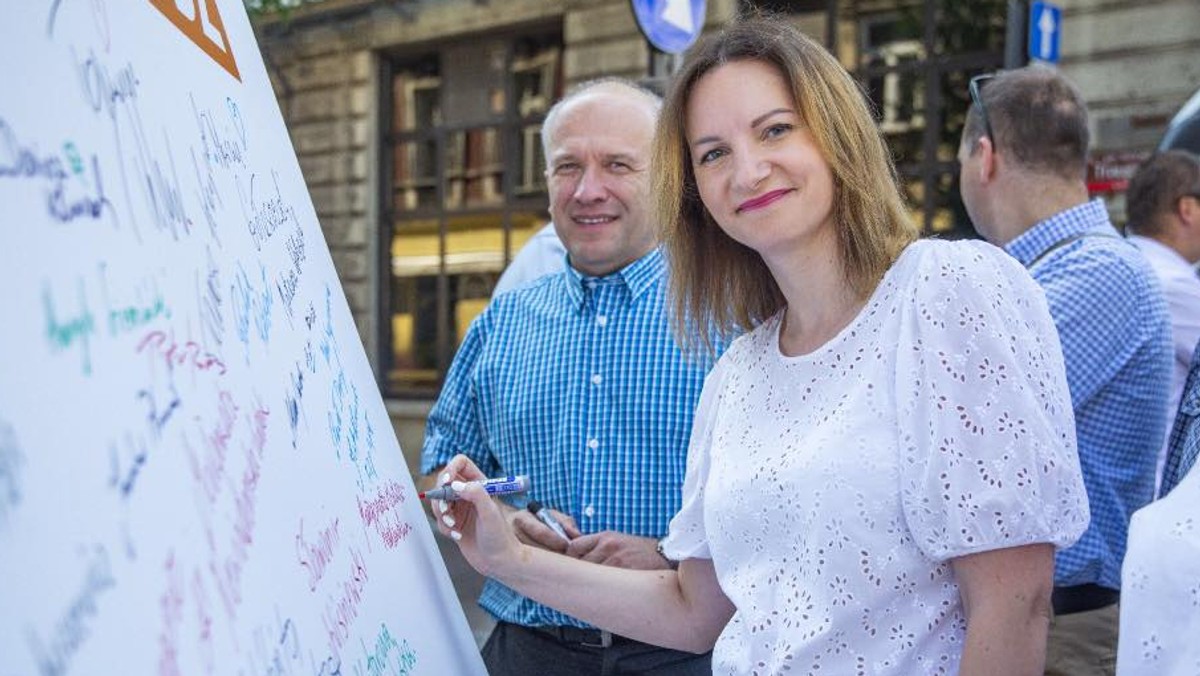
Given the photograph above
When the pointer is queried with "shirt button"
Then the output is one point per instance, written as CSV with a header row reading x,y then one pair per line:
x,y
597,379
602,321
593,444
589,511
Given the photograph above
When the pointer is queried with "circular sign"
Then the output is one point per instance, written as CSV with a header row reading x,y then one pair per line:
x,y
670,25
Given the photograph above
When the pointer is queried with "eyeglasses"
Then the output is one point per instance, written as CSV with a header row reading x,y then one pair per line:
x,y
977,99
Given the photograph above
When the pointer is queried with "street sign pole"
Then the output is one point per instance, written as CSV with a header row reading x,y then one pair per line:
x,y
1014,35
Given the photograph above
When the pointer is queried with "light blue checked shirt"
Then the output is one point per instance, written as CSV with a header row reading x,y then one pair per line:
x,y
577,382
1183,449
1116,337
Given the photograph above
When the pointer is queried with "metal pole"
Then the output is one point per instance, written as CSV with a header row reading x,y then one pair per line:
x,y
831,28
1015,34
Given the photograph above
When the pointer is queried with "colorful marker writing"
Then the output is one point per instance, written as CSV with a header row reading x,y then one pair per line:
x,y
500,486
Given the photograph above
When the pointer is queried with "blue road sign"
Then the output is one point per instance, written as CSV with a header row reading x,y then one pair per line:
x,y
1045,31
670,25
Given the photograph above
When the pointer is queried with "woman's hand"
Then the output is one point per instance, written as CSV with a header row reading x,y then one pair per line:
x,y
475,521
684,609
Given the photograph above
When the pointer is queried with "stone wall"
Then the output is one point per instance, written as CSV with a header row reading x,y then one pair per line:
x,y
1135,66
1135,63
328,99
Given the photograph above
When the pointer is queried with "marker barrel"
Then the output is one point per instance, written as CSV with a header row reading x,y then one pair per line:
x,y
498,486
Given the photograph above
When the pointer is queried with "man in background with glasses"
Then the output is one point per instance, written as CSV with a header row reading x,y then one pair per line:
x,y
1023,165
1163,204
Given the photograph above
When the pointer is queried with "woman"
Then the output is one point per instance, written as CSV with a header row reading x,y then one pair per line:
x,y
881,468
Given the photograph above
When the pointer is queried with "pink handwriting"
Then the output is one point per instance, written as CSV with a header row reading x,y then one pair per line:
x,y
171,603
315,557
228,576
391,495
209,470
341,612
204,621
394,534
190,353
380,512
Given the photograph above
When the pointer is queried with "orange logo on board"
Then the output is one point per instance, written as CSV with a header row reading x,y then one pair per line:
x,y
197,28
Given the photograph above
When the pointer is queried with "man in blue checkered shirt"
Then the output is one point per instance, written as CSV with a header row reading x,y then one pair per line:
x,y
1023,157
575,380
1183,447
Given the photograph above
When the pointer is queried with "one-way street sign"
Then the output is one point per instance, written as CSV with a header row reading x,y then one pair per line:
x,y
1045,31
670,25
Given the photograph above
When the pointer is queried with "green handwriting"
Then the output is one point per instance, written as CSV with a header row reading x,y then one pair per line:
x,y
62,334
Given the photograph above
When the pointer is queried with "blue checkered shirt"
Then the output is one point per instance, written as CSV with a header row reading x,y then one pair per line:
x,y
1184,446
1116,338
577,382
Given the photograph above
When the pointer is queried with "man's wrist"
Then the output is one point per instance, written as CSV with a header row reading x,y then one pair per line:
x,y
671,563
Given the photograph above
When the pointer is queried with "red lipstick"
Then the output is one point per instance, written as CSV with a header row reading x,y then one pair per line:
x,y
762,200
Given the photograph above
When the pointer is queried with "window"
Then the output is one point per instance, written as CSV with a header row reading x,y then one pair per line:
x,y
897,86
914,61
465,177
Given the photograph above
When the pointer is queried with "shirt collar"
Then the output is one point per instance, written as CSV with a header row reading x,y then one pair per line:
x,y
1157,251
638,276
1086,217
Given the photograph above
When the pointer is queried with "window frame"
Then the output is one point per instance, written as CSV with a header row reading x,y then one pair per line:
x,y
515,198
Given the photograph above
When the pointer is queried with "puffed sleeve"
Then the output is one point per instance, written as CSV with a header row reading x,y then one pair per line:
x,y
987,434
686,536
1160,587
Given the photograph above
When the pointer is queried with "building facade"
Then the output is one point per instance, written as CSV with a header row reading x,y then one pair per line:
x,y
417,126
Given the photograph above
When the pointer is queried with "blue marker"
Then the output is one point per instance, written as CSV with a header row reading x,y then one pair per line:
x,y
500,486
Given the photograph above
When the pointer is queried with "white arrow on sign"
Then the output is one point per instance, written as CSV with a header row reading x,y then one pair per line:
x,y
678,13
1046,25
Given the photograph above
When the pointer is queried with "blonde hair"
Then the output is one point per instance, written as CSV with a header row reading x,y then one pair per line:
x,y
718,282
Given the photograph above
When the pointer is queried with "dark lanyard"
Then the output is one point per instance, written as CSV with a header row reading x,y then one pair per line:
x,y
1067,240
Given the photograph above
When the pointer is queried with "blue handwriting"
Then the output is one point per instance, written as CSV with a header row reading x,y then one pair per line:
x,y
251,302
12,464
18,161
74,625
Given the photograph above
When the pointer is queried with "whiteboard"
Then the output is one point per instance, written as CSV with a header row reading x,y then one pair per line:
x,y
197,473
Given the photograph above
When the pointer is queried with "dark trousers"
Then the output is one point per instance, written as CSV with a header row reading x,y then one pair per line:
x,y
1083,631
1084,644
513,650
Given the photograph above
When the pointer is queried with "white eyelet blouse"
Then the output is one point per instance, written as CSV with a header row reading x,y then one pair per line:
x,y
831,490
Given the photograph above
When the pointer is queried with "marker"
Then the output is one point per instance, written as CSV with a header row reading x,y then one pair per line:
x,y
500,486
544,516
